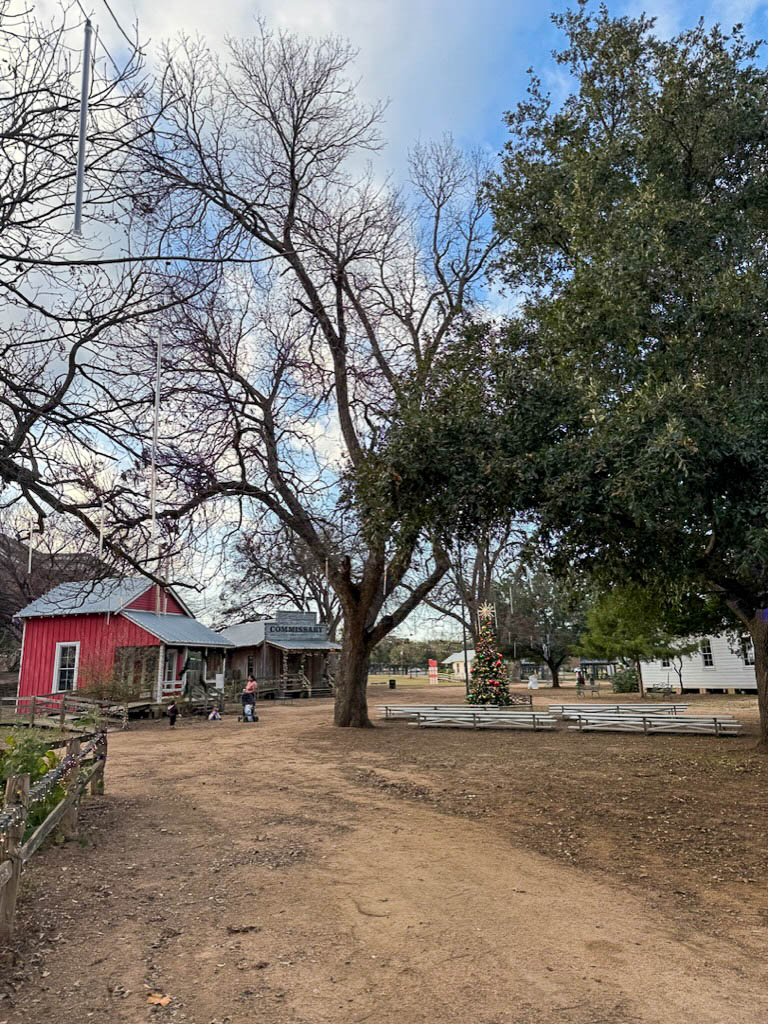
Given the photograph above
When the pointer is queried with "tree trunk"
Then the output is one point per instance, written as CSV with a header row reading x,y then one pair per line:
x,y
351,708
758,630
555,670
639,673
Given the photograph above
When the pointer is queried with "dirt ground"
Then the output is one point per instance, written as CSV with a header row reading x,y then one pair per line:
x,y
292,873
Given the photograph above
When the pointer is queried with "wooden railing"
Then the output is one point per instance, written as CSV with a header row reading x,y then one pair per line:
x,y
57,708
78,769
278,686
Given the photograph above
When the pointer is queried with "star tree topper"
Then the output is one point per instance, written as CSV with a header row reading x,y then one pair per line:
x,y
487,611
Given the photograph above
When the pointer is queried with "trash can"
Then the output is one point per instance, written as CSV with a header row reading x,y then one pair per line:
x,y
392,684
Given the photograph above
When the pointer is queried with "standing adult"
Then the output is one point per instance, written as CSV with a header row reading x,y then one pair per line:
x,y
248,697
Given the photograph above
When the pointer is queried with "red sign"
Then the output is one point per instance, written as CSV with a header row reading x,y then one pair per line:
x,y
432,672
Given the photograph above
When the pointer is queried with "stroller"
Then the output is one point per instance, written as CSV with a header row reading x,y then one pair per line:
x,y
249,710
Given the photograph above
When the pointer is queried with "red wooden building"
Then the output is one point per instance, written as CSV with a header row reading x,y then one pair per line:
x,y
124,632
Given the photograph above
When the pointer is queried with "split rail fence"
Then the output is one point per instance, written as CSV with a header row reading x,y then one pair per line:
x,y
81,766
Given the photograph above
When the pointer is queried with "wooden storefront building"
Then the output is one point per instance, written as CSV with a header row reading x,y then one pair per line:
x,y
289,654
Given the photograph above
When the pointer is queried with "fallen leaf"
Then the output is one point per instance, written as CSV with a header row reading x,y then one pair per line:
x,y
158,999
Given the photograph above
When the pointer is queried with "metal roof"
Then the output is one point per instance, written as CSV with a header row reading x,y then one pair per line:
x,y
87,597
458,656
179,630
245,634
304,645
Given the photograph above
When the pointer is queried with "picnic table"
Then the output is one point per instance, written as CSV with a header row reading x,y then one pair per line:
x,y
593,687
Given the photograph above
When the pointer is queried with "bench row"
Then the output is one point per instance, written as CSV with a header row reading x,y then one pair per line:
x,y
534,720
568,710
411,710
715,725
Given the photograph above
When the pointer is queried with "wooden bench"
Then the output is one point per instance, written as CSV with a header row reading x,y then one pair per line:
x,y
480,719
702,725
411,710
572,710
661,689
592,687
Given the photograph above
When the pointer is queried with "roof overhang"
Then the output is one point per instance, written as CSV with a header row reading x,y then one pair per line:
x,y
304,645
177,630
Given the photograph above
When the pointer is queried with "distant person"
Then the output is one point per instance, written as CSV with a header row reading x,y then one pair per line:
x,y
215,715
173,713
580,679
251,686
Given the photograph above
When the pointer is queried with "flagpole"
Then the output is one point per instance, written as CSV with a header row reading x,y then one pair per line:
x,y
80,179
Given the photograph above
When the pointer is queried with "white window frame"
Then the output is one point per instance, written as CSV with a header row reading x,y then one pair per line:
x,y
748,650
57,665
665,663
710,652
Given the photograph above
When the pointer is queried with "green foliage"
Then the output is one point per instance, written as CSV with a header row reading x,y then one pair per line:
x,y
625,681
489,683
402,651
634,219
26,751
643,623
455,446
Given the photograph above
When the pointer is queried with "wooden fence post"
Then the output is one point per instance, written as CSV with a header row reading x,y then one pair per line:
x,y
97,780
68,824
16,794
63,712
32,710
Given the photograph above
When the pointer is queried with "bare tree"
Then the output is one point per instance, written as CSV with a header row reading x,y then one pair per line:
x,y
291,369
57,556
476,574
71,406
540,617
273,567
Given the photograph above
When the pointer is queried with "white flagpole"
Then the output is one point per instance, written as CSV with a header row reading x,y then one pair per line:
x,y
83,130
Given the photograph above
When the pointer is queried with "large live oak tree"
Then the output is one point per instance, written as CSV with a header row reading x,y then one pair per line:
x,y
635,218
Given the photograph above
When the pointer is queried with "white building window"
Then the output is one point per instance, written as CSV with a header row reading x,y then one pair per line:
x,y
665,662
706,654
748,650
65,667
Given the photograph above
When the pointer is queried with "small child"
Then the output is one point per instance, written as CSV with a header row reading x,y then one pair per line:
x,y
215,715
173,714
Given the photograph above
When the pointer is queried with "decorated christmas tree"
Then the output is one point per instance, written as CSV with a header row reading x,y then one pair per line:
x,y
489,683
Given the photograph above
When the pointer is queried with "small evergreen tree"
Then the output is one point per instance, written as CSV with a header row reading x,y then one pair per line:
x,y
489,683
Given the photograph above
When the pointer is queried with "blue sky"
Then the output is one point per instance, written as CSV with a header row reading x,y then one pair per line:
x,y
450,66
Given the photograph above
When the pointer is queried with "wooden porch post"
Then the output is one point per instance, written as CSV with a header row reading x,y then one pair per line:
x,y
160,674
185,673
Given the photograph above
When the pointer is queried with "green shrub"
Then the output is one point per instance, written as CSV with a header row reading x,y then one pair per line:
x,y
625,681
27,751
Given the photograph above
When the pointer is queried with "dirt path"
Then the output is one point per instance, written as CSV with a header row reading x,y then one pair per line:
x,y
250,879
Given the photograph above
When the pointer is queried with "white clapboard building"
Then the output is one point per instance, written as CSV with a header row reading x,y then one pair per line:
x,y
721,663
